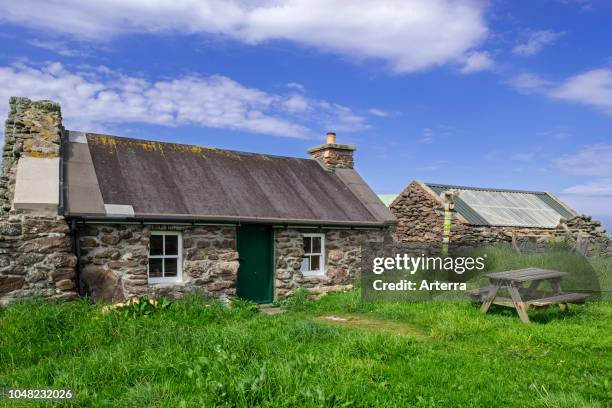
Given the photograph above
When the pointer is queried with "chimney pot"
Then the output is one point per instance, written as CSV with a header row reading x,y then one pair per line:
x,y
331,138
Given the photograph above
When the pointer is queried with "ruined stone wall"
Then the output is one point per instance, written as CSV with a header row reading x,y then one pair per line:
x,y
115,257
598,242
342,260
36,252
418,222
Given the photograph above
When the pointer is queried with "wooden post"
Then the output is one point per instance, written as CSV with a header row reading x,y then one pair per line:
x,y
582,244
449,198
448,217
515,243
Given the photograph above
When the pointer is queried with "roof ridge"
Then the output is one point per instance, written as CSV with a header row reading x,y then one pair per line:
x,y
504,190
238,152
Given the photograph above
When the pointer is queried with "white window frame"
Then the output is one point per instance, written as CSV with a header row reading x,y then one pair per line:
x,y
179,259
321,270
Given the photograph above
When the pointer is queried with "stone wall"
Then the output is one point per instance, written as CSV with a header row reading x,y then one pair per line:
x,y
419,223
36,251
36,258
598,242
342,264
114,261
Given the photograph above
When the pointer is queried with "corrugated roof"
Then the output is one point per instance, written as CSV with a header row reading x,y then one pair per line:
x,y
500,207
166,179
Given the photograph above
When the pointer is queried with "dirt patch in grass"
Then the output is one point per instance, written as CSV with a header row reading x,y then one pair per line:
x,y
382,325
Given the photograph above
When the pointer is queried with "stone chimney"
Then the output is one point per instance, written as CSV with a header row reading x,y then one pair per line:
x,y
30,167
332,154
37,253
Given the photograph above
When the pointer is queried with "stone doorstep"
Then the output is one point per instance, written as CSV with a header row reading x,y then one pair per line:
x,y
271,310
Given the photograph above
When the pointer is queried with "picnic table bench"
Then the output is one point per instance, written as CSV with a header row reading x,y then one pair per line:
x,y
521,297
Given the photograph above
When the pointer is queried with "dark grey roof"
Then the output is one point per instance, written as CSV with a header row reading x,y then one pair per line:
x,y
110,176
500,207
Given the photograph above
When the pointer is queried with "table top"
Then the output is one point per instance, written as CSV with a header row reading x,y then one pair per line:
x,y
527,274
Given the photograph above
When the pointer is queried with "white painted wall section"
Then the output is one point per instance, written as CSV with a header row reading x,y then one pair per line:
x,y
119,210
37,184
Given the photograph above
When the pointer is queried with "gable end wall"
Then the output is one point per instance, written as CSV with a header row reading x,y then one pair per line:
x,y
36,251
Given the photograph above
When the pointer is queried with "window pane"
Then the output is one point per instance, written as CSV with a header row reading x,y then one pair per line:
x,y
316,245
155,267
307,245
305,264
314,263
157,245
171,245
170,267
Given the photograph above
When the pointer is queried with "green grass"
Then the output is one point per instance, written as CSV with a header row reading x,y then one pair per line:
x,y
392,354
589,275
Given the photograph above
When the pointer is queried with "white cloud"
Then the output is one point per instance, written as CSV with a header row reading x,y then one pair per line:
x,y
378,112
593,88
593,196
296,104
297,86
599,187
427,137
94,98
57,47
529,83
477,61
593,160
536,42
409,35
588,204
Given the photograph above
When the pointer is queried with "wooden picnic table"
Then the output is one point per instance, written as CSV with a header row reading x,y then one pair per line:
x,y
521,297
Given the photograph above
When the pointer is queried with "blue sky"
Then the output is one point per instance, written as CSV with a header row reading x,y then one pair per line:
x,y
509,94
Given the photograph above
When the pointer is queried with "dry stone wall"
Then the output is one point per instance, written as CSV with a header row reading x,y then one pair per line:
x,y
115,258
420,224
343,260
36,258
36,250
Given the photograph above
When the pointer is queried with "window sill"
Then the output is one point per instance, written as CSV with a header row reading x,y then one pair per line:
x,y
313,273
156,282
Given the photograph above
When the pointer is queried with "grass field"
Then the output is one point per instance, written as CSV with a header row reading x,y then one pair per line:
x,y
408,354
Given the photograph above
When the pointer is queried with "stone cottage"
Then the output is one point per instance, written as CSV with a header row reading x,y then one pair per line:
x,y
113,217
485,216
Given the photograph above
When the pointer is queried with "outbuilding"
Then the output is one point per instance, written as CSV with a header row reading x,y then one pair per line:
x,y
485,216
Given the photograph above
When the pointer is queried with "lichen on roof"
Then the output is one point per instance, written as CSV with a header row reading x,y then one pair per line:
x,y
150,145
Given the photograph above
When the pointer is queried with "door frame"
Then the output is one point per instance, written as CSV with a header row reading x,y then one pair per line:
x,y
272,262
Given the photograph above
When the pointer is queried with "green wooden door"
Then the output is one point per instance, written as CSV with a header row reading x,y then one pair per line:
x,y
255,275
